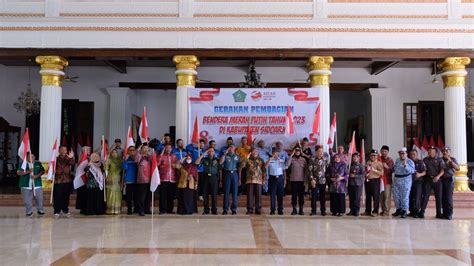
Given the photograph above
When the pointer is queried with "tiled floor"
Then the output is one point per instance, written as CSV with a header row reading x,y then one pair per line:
x,y
231,240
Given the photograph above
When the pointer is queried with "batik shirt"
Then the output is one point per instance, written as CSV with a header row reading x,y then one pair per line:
x,y
317,169
255,169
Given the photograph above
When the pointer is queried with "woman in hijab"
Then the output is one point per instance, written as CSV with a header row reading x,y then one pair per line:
x,y
338,175
95,204
113,167
187,186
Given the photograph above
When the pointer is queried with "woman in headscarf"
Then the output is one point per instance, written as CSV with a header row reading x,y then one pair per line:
x,y
187,186
81,192
338,176
113,167
95,204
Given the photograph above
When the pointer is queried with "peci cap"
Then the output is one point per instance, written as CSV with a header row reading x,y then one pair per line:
x,y
446,148
432,148
374,152
355,154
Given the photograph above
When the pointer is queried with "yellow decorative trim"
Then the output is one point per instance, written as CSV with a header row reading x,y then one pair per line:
x,y
388,16
186,62
461,183
128,15
203,15
21,15
468,16
454,64
52,62
55,63
230,29
319,63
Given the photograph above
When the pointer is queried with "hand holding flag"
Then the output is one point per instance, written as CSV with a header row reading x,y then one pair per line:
x,y
24,149
143,130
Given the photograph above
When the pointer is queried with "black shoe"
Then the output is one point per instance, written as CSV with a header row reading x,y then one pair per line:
x,y
301,212
141,214
249,212
448,217
171,212
403,215
40,213
350,213
258,212
323,213
129,212
397,213
334,214
280,212
439,216
214,212
234,212
356,214
161,213
224,213
339,214
294,212
29,215
412,214
421,215
205,213
148,212
272,212
312,213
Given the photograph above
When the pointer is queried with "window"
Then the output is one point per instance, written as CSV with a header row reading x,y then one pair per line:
x,y
410,123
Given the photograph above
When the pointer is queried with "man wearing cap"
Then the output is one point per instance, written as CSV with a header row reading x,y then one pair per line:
x,y
373,174
230,162
447,181
386,195
317,167
277,181
211,179
404,168
356,180
434,171
416,191
297,165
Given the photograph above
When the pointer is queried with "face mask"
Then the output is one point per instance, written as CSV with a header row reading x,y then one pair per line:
x,y
189,160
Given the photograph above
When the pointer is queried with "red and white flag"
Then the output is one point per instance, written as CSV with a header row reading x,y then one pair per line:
x,y
52,162
195,136
290,126
129,142
417,147
155,174
432,141
424,147
103,150
362,152
143,130
24,149
317,117
249,134
332,132
352,145
440,143
78,177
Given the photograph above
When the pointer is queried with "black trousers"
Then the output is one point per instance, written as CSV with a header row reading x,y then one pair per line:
x,y
318,193
276,187
429,185
167,196
416,194
354,198
61,195
131,196
210,186
144,198
254,197
372,193
297,193
338,202
447,198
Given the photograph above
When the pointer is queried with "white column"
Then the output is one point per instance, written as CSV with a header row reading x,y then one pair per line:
x,y
454,79
185,80
379,113
319,76
118,112
52,77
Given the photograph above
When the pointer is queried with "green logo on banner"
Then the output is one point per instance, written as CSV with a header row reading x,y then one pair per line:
x,y
239,96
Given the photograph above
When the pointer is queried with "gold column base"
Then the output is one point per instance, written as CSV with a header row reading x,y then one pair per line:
x,y
461,182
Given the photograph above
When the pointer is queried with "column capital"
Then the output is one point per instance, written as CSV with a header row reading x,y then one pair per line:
x,y
186,66
52,69
319,70
454,71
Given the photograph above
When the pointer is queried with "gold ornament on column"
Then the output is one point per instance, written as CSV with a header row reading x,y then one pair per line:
x,y
186,66
51,68
323,64
461,185
455,65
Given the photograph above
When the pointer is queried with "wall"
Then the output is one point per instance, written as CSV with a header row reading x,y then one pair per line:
x,y
405,85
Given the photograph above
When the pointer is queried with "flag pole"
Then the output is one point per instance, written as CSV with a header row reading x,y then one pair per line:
x,y
52,183
152,203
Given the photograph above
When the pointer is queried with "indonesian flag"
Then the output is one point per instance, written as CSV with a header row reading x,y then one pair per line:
x,y
24,149
317,116
290,126
143,130
155,174
249,134
195,136
129,142
440,143
103,150
424,147
78,181
432,141
332,132
352,145
362,152
417,147
52,163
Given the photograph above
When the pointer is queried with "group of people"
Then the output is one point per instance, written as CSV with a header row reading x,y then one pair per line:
x,y
196,172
